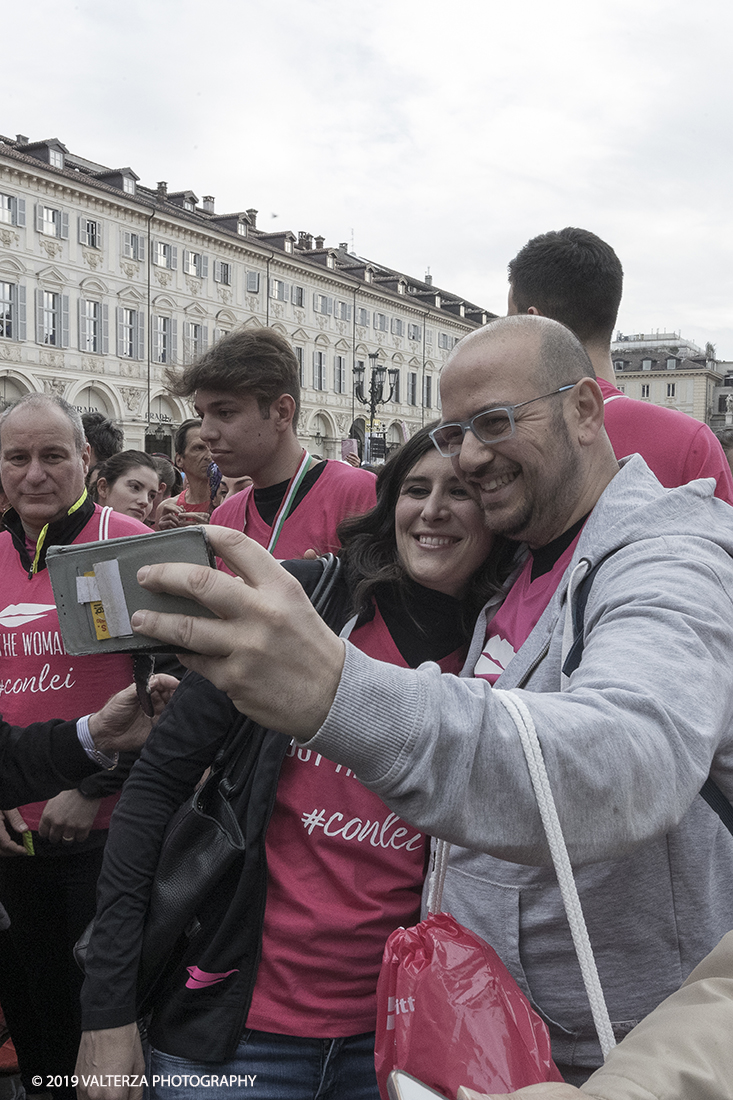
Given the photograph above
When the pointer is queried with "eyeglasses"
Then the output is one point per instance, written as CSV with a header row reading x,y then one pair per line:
x,y
490,426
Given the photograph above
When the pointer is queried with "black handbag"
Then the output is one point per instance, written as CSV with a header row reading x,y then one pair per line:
x,y
204,839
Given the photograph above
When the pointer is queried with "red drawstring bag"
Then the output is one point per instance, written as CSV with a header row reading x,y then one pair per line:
x,y
450,1013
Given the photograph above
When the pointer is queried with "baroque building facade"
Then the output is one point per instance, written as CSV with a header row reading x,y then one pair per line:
x,y
665,369
104,283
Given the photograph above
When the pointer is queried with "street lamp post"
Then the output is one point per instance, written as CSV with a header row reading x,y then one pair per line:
x,y
374,397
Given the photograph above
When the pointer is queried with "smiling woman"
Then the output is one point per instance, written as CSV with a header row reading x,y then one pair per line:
x,y
128,482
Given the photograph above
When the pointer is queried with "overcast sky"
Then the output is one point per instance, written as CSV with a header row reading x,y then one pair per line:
x,y
434,135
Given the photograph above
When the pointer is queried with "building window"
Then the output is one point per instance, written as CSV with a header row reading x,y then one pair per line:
x,y
342,311
128,185
322,304
671,389
242,229
52,222
427,391
621,389
164,339
253,282
93,327
646,364
165,255
618,364
90,232
195,264
55,158
52,318
413,332
645,389
12,210
319,370
297,294
130,333
299,356
195,340
362,317
411,388
278,290
445,340
398,326
339,374
12,311
188,205
380,322
671,364
133,245
222,272
429,337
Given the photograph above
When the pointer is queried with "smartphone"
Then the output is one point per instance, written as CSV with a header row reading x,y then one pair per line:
x,y
96,591
403,1086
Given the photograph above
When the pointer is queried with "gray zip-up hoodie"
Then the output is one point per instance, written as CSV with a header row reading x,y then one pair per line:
x,y
628,743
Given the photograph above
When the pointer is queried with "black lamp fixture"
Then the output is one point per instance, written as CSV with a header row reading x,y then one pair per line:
x,y
374,397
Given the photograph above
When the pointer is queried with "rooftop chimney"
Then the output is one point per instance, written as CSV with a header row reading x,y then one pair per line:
x,y
162,191
21,139
344,246
319,242
209,205
252,215
429,279
305,240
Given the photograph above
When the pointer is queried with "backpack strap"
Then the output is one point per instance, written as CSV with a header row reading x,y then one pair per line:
x,y
710,791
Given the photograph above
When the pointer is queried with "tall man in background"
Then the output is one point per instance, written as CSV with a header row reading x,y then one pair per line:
x,y
574,277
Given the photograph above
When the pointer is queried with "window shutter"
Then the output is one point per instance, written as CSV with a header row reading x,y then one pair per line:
x,y
217,335
204,267
39,217
126,242
174,340
140,324
82,223
64,227
21,329
105,330
349,313
174,257
315,303
217,271
39,316
329,306
100,235
204,337
82,326
65,313
155,338
186,260
20,212
120,331
140,247
294,294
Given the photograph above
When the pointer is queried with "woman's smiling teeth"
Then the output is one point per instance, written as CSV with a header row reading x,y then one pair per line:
x,y
436,540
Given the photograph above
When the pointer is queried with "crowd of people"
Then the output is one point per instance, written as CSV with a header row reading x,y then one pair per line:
x,y
458,578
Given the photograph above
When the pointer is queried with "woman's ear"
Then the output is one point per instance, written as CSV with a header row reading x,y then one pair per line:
x,y
101,488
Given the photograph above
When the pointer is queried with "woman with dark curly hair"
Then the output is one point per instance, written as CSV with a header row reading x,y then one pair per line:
x,y
279,983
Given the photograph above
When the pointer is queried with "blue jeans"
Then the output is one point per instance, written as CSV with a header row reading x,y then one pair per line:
x,y
272,1067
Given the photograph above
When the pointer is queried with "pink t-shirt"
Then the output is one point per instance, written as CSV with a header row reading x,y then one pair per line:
x,y
38,680
340,491
343,873
676,447
518,615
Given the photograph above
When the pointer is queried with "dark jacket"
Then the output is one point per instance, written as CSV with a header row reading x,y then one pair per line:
x,y
39,760
205,1024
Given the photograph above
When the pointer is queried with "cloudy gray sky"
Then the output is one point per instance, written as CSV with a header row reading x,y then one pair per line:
x,y
439,135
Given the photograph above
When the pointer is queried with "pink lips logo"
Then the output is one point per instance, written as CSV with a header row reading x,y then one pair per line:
x,y
202,979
